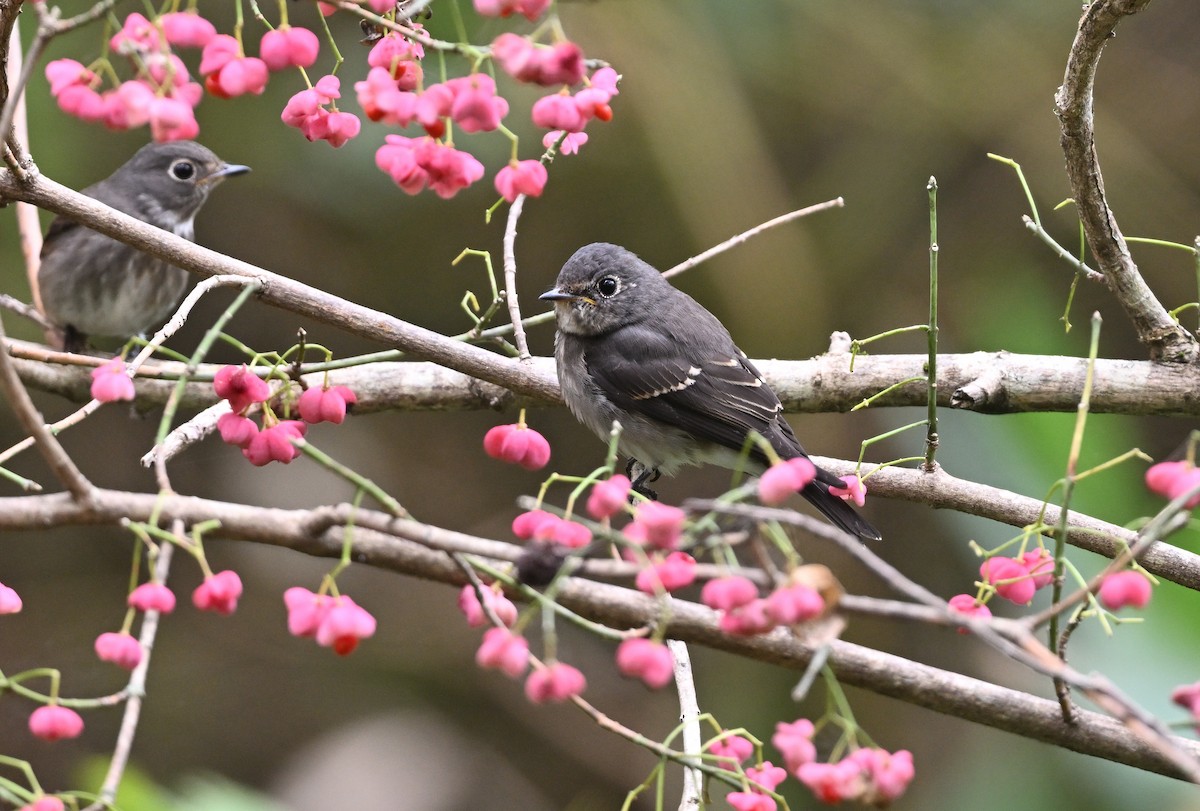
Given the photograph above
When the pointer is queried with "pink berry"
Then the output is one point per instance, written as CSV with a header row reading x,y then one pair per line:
x,y
968,605
325,404
152,597
662,523
44,804
731,750
219,593
517,444
343,625
854,490
676,571
55,723
1124,588
274,444
241,387
503,650
646,660
1011,579
185,29
10,601
785,478
121,649
556,682
502,607
608,497
524,177
727,593
110,382
794,742
794,604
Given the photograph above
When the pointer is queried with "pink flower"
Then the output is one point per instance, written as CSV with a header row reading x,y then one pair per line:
x,y
1187,696
325,404
10,601
344,623
676,571
502,607
172,119
1124,588
750,801
236,429
570,144
1173,479
730,751
82,102
185,29
768,776
228,73
662,523
523,177
1040,565
794,604
152,597
517,444
728,593
556,682
608,497
785,478
1011,579
54,723
415,163
289,46
219,592
137,35
240,387
968,605
525,525
111,383
274,444
121,649
747,620
794,742
854,490
531,9
397,57
305,610
831,783
647,660
383,100
558,112
474,105
503,650
887,774
44,804
517,56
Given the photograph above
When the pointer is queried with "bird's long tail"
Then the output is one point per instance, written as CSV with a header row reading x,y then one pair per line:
x,y
839,512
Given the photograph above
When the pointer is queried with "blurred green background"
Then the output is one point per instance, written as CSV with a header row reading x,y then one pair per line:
x,y
729,114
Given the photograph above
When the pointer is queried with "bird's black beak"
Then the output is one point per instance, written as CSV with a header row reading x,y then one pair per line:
x,y
555,294
228,170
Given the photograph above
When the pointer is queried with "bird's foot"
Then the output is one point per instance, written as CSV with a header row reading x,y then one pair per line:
x,y
641,477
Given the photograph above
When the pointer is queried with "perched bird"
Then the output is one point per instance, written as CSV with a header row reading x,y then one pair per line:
x,y
94,285
632,348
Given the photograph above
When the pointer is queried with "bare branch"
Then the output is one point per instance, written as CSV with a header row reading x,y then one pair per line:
x,y
1166,339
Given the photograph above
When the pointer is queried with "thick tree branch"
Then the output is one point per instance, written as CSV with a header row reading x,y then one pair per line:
x,y
419,550
984,382
1167,340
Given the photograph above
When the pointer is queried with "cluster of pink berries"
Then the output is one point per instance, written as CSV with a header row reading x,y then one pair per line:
x,y
335,622
785,478
273,442
867,775
504,650
1173,479
163,95
743,612
1018,579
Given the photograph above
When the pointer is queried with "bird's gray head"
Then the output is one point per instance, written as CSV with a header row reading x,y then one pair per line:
x,y
603,287
169,182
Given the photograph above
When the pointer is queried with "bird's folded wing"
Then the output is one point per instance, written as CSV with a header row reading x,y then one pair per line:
x,y
715,396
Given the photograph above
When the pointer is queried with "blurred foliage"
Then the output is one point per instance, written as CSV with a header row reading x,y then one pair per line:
x,y
729,114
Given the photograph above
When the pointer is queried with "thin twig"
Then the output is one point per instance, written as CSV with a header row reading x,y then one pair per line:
x,y
734,241
510,276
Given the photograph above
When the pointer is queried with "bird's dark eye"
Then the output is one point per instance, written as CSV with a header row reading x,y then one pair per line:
x,y
608,286
183,170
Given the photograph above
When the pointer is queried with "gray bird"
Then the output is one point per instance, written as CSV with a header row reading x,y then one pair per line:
x,y
94,285
632,348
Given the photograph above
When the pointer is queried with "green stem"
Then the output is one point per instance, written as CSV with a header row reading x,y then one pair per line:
x,y
931,434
